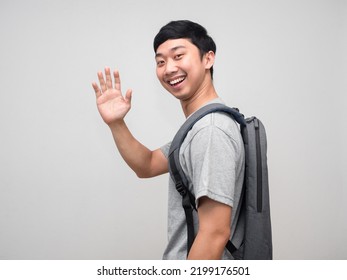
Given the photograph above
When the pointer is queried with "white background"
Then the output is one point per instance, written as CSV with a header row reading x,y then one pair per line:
x,y
65,192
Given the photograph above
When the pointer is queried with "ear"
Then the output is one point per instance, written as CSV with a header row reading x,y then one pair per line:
x,y
209,59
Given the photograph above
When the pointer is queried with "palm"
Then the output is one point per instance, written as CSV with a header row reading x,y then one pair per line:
x,y
111,104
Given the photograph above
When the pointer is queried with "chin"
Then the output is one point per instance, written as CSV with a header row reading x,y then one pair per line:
x,y
179,94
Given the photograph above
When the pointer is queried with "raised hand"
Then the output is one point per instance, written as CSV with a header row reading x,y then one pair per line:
x,y
112,105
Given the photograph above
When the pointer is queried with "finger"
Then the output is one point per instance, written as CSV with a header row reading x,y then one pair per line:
x,y
102,82
108,77
128,96
96,89
116,80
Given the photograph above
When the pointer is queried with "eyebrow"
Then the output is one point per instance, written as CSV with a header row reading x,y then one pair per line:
x,y
171,50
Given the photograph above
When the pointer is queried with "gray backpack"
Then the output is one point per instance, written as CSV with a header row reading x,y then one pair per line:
x,y
252,238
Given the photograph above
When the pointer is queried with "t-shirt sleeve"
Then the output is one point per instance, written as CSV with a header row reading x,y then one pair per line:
x,y
211,162
165,149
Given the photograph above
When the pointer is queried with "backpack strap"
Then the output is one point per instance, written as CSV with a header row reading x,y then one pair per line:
x,y
176,171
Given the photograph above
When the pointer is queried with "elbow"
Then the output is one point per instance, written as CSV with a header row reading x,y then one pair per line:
x,y
142,175
223,236
209,245
218,237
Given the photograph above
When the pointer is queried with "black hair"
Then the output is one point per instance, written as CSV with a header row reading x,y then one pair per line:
x,y
196,33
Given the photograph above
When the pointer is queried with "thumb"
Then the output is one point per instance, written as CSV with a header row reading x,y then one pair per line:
x,y
128,95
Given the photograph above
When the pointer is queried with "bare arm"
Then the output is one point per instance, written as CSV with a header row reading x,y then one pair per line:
x,y
113,107
214,230
144,162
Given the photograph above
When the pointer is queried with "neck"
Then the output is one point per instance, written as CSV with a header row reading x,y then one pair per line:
x,y
189,106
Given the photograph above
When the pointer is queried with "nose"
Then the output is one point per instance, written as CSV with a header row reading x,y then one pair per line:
x,y
170,67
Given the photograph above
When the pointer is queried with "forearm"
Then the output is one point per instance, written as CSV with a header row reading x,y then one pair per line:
x,y
133,152
138,157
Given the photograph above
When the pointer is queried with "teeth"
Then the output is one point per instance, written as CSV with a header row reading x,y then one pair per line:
x,y
176,81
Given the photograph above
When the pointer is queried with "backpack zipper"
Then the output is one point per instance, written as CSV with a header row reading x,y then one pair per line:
x,y
259,167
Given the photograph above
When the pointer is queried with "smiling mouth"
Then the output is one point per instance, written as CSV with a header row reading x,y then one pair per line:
x,y
177,81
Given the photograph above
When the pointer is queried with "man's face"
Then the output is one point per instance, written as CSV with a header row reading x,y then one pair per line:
x,y
180,68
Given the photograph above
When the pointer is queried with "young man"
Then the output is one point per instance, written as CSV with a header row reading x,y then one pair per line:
x,y
212,155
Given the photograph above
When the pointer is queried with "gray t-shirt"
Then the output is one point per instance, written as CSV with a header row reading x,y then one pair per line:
x,y
212,157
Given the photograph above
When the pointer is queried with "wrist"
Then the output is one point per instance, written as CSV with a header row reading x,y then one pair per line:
x,y
115,125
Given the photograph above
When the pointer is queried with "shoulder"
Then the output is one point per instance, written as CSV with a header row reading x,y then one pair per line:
x,y
217,129
218,122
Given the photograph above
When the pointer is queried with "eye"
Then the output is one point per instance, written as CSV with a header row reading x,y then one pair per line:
x,y
178,56
160,63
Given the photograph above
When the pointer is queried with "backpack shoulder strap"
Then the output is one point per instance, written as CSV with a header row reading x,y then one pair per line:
x,y
176,171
